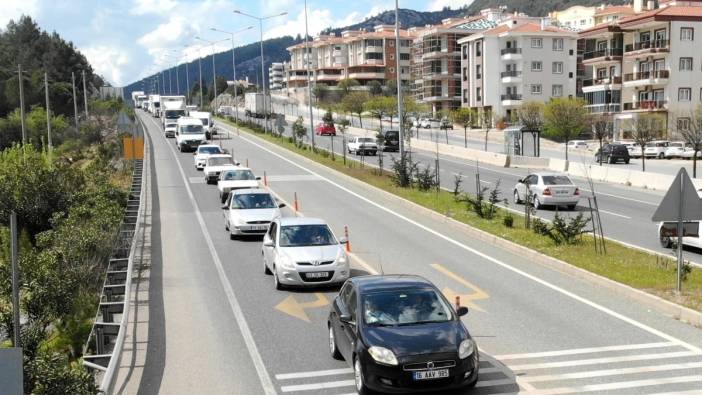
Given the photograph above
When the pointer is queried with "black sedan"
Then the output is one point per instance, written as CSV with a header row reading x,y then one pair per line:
x,y
400,334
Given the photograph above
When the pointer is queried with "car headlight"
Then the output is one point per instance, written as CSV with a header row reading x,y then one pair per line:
x,y
382,355
465,349
342,259
286,263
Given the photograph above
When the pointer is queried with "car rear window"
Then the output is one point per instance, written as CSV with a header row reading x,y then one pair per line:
x,y
557,180
391,135
619,149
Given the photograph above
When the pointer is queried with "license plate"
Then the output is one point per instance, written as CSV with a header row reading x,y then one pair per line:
x,y
430,374
317,275
259,227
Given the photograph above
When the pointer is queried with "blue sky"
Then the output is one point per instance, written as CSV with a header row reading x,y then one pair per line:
x,y
125,40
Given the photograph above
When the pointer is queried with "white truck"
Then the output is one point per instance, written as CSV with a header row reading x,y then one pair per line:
x,y
172,108
189,134
135,96
207,122
155,107
256,105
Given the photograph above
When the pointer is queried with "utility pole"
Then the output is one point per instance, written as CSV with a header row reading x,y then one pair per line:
x,y
199,65
21,92
187,81
307,57
48,115
236,93
214,82
75,103
15,282
85,96
399,81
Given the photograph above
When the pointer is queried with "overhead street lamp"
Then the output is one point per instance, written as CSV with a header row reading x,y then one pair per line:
x,y
214,73
307,59
175,65
263,67
236,95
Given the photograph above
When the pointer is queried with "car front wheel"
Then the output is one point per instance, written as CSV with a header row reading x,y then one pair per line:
x,y
537,202
517,200
666,242
358,378
276,281
333,350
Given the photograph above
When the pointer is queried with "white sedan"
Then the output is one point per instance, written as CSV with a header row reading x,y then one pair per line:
x,y
203,152
547,189
249,212
232,179
304,252
216,164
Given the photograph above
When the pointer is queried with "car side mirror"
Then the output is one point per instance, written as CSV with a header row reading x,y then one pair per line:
x,y
224,207
281,205
194,153
267,241
343,240
237,163
346,319
521,181
258,178
462,310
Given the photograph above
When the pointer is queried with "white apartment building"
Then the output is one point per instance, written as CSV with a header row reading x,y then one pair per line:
x,y
517,61
647,63
581,18
276,76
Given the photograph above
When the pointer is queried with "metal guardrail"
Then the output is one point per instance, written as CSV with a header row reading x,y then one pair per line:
x,y
103,348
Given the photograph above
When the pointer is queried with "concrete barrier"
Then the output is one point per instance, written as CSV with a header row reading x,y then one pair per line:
x,y
529,162
491,158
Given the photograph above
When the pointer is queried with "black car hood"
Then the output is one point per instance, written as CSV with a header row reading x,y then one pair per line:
x,y
416,339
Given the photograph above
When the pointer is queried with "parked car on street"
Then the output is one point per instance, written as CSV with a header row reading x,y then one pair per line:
x,y
362,145
399,334
668,242
249,211
688,153
301,251
674,149
216,164
577,144
233,179
655,149
203,152
423,123
446,124
547,189
613,153
389,140
324,129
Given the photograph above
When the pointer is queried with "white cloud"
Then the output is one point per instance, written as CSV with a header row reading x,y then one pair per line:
x,y
107,61
438,5
144,7
317,20
379,8
13,9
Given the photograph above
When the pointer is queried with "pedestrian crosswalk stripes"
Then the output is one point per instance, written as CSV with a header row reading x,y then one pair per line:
x,y
584,350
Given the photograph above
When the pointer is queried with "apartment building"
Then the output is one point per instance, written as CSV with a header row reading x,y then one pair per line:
x,y
296,75
276,76
582,18
646,63
436,58
519,60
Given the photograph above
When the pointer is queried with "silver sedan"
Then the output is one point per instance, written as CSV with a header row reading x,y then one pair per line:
x,y
547,189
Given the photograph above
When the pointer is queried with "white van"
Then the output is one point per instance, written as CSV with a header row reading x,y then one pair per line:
x,y
207,122
189,134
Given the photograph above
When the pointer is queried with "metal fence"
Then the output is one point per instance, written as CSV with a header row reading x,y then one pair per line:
x,y
104,346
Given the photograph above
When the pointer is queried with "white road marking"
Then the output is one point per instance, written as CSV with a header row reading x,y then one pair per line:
x,y
615,214
201,180
494,383
318,373
612,372
688,392
623,198
238,313
295,177
496,261
596,361
588,350
621,385
318,386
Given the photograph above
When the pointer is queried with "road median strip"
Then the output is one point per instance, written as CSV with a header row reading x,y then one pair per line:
x,y
644,277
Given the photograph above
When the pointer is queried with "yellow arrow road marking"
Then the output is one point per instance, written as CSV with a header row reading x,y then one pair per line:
x,y
296,309
466,299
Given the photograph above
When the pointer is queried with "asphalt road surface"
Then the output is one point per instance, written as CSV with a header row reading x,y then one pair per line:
x,y
226,329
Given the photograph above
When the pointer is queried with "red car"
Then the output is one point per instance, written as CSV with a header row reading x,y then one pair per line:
x,y
323,129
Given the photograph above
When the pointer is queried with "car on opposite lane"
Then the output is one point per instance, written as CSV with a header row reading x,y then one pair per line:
x,y
203,152
324,129
547,189
249,212
302,251
233,179
399,334
362,145
215,164
613,153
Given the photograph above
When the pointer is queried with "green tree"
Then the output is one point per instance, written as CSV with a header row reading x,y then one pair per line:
x,y
644,129
328,118
378,107
353,103
320,91
601,126
464,117
346,84
375,88
565,119
299,130
391,87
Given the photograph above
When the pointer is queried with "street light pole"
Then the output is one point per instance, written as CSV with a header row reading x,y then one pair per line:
x,y
307,59
214,72
48,115
21,92
398,75
85,96
75,104
236,90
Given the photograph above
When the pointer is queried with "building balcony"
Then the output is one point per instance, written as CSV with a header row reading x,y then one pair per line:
x,y
367,76
444,53
598,84
511,99
658,77
646,47
603,56
297,78
441,98
606,108
511,53
646,105
511,76
373,48
440,75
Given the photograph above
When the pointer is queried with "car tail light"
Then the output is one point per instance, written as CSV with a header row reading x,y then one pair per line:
x,y
577,191
546,192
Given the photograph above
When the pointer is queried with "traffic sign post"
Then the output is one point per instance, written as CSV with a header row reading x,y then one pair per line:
x,y
680,204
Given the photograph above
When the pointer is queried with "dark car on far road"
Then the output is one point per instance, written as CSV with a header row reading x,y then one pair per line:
x,y
389,140
613,153
400,335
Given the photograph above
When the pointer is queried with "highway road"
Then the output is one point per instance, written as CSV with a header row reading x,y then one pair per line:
x,y
622,208
225,329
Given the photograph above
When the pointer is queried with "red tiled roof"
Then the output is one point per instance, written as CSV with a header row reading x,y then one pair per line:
x,y
615,9
526,28
664,14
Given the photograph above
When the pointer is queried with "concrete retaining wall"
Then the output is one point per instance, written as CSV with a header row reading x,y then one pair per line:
x,y
491,158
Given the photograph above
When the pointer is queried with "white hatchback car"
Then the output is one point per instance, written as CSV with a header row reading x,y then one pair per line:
x,y
216,164
233,179
203,152
304,252
577,144
655,149
547,189
675,149
249,212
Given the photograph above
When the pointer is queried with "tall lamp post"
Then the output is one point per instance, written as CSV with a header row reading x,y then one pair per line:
x,y
307,59
398,75
263,66
214,73
236,94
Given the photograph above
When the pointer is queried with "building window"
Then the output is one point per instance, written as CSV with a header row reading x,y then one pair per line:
x,y
537,43
536,66
536,89
374,55
684,94
557,67
687,34
556,90
404,56
478,71
478,94
583,22
478,48
683,123
685,64
557,44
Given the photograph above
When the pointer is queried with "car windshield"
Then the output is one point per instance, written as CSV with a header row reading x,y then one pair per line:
x,y
251,201
557,180
306,235
221,161
209,150
171,125
157,104
174,113
365,140
204,121
238,175
191,129
406,307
